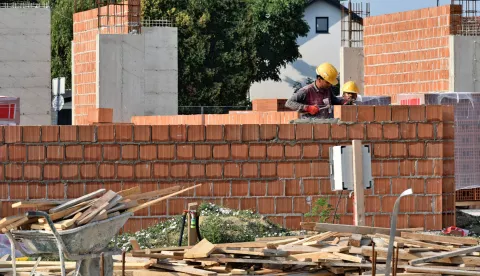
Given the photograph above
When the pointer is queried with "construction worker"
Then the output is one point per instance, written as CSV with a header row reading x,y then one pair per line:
x,y
350,92
315,100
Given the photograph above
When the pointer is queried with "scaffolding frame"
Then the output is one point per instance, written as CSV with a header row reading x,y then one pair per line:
x,y
467,21
352,23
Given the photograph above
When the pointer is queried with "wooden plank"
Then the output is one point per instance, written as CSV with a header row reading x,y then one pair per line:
x,y
201,250
355,240
218,269
308,225
101,216
364,230
114,201
76,201
237,271
312,238
155,201
9,220
298,249
436,238
36,203
67,223
314,256
15,224
419,243
274,244
128,192
358,187
256,261
267,239
446,255
153,194
65,213
349,258
97,206
185,269
219,245
135,246
442,271
239,252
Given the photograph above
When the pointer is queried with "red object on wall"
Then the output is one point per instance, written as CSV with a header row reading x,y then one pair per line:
x,y
9,110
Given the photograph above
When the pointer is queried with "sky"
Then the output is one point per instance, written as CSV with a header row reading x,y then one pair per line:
x,y
378,7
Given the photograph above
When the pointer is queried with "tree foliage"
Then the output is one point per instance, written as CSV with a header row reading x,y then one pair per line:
x,y
226,45
62,35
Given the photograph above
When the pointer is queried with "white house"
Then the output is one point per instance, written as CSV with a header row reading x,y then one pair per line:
x,y
322,44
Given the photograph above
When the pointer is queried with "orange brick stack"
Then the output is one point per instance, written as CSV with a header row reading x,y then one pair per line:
x,y
277,170
409,51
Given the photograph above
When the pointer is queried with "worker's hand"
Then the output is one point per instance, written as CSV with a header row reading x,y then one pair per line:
x,y
312,109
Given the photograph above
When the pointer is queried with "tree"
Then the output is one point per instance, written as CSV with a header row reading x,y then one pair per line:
x,y
62,35
226,45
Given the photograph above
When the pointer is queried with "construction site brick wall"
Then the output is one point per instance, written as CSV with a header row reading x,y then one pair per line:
x,y
84,54
409,51
277,170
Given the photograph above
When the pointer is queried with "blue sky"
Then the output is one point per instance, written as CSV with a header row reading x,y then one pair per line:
x,y
378,7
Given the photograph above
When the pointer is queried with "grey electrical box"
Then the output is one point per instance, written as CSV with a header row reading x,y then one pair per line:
x,y
341,167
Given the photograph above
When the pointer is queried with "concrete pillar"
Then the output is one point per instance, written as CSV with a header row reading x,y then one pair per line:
x,y
351,66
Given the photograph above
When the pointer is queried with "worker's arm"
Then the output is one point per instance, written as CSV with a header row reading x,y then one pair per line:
x,y
335,100
297,101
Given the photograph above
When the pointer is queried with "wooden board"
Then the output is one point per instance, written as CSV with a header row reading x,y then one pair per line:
x,y
76,201
419,243
267,239
97,206
355,240
255,261
101,216
439,256
37,203
9,220
349,258
128,192
437,238
364,230
15,224
446,270
201,250
153,194
314,256
358,187
185,269
275,244
65,213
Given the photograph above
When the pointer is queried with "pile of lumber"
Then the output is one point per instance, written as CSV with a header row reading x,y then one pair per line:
x,y
96,206
329,253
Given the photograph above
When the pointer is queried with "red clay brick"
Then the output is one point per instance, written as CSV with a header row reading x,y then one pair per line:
x,y
266,205
293,222
399,150
17,191
448,149
93,153
416,150
74,152
275,152
88,171
258,188
214,133
434,113
160,133
320,169
248,203
13,134
276,188
268,132
372,204
110,152
346,113
129,152
106,171
51,172
407,168
50,133
203,152
293,187
376,168
233,203
69,171
249,170
448,185
176,206
268,169
239,151
286,132
123,133
56,191
250,132
86,133
32,172
283,205
293,151
3,153
391,131
36,153
311,151
142,133
124,171
434,186
445,168
374,131
221,152
257,151
148,152
400,113
17,153
303,169
408,131
205,190
285,170
356,131
424,167
143,171
383,113
303,132
39,191
423,204
161,170
31,134
433,222
382,186
233,133
232,170
381,150
339,132
425,131
214,170
1,134
311,187
390,168
417,113
165,152
196,133
435,149
90,187
366,113
68,133
179,170
239,188
105,133
221,189
2,173
321,131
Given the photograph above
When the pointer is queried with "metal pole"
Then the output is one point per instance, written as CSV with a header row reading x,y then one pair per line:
x,y
58,99
349,23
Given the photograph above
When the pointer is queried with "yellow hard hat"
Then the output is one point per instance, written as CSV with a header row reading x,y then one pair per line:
x,y
350,87
328,72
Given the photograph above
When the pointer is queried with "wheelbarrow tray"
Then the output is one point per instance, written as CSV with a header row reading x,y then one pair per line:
x,y
86,239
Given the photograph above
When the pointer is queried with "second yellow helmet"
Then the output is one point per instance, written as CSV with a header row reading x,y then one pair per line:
x,y
350,87
328,72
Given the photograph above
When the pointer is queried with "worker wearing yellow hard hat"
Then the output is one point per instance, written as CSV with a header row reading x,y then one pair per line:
x,y
350,92
315,100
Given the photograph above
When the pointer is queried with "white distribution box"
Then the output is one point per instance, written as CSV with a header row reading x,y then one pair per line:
x,y
341,167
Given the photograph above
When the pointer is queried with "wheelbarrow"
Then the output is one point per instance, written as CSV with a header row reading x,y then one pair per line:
x,y
84,244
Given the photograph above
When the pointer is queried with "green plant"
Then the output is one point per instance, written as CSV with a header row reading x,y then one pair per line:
x,y
322,210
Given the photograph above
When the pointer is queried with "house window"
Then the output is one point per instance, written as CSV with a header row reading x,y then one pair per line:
x,y
322,25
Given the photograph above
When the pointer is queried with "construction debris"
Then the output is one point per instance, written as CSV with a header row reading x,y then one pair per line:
x,y
96,206
328,253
